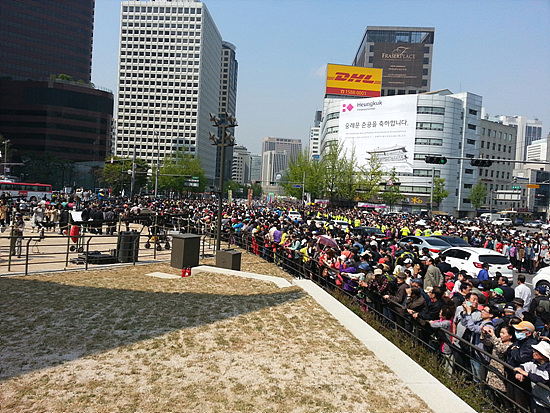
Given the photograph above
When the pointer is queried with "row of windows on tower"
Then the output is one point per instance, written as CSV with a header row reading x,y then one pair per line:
x,y
155,9
162,26
126,17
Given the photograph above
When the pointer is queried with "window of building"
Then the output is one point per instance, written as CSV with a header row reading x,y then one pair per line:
x,y
468,171
472,127
429,126
470,141
430,110
482,144
472,112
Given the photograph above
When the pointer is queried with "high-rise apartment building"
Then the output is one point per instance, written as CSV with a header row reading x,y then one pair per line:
x,y
404,54
169,80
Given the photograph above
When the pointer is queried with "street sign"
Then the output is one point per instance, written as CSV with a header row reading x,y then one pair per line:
x,y
390,182
516,187
296,186
533,186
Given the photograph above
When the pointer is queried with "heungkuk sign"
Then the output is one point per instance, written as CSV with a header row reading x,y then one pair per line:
x,y
383,127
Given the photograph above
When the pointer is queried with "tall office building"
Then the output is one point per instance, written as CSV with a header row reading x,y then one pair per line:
x,y
314,132
228,102
240,171
41,113
404,54
43,38
276,155
292,146
169,80
255,167
528,131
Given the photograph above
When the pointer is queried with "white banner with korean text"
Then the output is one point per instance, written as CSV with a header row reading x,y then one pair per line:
x,y
384,127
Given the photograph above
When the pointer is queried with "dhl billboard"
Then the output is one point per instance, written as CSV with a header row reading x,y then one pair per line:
x,y
353,81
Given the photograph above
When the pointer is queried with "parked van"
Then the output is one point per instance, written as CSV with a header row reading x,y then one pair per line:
x,y
489,216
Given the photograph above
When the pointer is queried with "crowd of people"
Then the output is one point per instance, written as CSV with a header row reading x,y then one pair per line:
x,y
477,320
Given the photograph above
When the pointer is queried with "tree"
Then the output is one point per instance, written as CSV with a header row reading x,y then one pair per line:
x,y
392,194
314,172
47,167
175,168
371,176
478,193
440,193
115,175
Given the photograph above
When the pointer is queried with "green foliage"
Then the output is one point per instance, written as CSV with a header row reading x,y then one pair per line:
x,y
234,186
180,163
115,175
314,173
65,77
371,177
440,193
478,193
392,194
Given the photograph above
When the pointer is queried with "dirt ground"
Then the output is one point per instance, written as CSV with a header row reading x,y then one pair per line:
x,y
118,340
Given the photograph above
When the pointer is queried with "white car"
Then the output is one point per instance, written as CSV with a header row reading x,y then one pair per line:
x,y
294,215
503,222
542,277
471,259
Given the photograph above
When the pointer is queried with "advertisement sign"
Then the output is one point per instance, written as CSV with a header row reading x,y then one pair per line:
x,y
384,127
402,63
353,81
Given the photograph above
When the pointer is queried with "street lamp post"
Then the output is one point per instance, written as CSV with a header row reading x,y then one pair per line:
x,y
224,141
157,172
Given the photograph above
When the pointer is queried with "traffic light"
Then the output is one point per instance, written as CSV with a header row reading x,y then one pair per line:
x,y
484,163
440,160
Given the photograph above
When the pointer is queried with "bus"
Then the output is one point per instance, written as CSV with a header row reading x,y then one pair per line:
x,y
517,217
31,192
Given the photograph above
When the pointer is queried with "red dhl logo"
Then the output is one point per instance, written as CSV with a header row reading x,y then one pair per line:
x,y
353,77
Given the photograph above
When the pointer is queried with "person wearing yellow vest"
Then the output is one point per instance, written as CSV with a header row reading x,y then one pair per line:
x,y
427,232
405,231
357,223
418,232
437,232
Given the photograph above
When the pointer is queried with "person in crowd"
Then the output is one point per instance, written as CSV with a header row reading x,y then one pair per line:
x,y
523,291
537,371
521,351
433,277
484,272
540,299
500,344
507,291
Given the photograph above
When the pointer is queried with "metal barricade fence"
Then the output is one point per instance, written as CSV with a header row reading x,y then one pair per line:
x,y
392,317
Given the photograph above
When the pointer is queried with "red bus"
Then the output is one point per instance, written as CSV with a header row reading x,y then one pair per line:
x,y
31,192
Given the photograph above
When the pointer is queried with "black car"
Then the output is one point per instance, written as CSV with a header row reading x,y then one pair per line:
x,y
453,241
367,232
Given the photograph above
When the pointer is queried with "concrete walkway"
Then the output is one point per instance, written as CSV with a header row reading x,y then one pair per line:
x,y
438,397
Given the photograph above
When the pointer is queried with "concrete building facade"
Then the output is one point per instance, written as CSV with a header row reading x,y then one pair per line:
x,y
240,171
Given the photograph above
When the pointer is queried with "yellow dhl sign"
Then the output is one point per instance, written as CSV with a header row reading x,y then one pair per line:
x,y
353,81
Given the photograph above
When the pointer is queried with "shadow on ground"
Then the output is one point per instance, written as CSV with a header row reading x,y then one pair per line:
x,y
43,324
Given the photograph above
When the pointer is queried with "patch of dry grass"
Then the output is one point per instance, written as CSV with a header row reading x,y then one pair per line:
x,y
117,340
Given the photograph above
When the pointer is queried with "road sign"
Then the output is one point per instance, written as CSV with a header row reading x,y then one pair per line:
x,y
296,186
390,182
516,187
533,186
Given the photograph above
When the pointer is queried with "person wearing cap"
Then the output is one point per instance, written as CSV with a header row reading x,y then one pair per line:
x,y
523,292
537,371
540,299
521,351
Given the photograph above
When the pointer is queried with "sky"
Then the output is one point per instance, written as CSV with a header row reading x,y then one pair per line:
x,y
499,50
